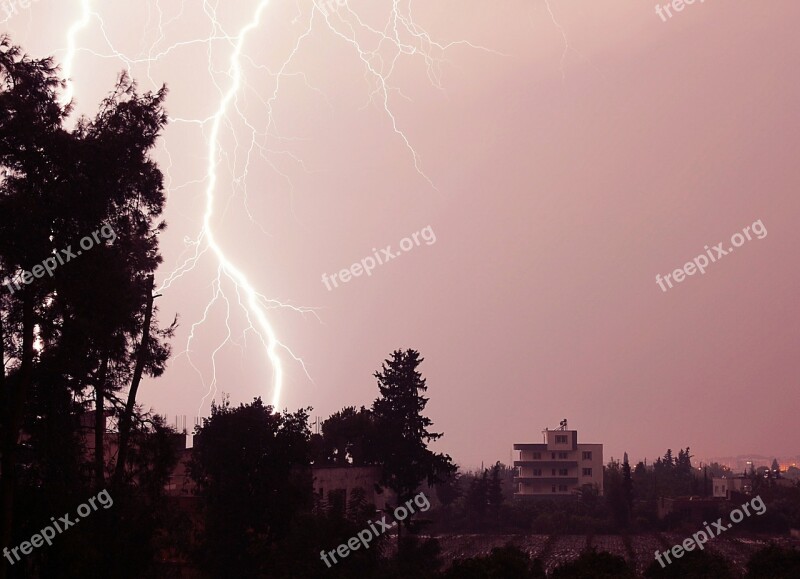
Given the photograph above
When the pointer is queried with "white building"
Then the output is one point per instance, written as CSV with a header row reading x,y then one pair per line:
x,y
558,466
724,486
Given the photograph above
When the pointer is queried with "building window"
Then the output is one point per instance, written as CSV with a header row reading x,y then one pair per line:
x,y
537,456
562,472
562,455
587,455
554,488
553,455
537,472
561,439
562,488
587,472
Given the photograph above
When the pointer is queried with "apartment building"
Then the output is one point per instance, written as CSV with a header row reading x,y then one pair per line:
x,y
559,466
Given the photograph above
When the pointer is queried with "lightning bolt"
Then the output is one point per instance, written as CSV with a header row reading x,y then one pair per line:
x,y
403,37
72,47
567,46
255,304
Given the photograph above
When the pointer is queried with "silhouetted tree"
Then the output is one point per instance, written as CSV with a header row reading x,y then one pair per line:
x,y
78,334
449,489
674,476
715,469
478,496
252,468
627,484
494,493
403,438
349,438
31,137
614,493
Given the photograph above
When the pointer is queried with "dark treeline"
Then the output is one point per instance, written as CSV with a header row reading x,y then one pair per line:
x,y
78,336
260,516
77,339
484,501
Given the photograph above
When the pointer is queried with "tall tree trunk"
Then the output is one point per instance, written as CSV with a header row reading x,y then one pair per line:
x,y
100,424
141,359
14,404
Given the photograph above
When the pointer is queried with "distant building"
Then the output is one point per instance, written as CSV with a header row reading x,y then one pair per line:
x,y
559,466
335,484
338,485
694,509
731,487
726,485
180,483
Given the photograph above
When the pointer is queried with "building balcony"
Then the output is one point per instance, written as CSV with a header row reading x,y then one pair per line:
x,y
532,446
549,463
547,479
560,496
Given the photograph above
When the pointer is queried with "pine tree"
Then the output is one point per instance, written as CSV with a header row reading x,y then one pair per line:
x,y
495,491
478,495
627,483
402,429
93,318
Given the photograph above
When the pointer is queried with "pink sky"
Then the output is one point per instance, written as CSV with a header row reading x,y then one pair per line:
x,y
568,171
